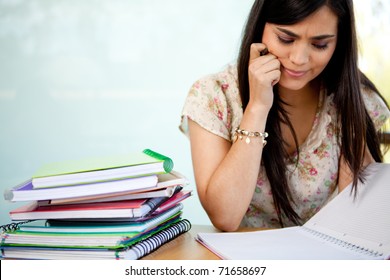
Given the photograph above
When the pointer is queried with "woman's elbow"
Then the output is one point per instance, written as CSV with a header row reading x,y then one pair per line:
x,y
225,223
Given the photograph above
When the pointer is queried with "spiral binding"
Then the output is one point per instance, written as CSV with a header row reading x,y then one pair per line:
x,y
167,162
12,226
155,241
344,244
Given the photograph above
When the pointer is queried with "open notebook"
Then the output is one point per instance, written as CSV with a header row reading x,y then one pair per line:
x,y
347,227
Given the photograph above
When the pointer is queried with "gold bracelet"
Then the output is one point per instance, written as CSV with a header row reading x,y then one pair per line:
x,y
241,133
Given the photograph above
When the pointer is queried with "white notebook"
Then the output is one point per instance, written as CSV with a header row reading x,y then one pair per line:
x,y
347,227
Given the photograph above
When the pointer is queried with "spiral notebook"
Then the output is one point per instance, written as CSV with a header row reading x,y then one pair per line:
x,y
133,252
87,236
348,227
48,226
101,169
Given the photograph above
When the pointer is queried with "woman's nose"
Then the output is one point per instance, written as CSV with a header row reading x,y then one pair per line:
x,y
299,55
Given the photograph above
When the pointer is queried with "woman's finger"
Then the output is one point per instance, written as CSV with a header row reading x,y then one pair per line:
x,y
256,50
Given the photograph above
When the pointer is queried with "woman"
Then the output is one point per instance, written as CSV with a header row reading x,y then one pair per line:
x,y
296,82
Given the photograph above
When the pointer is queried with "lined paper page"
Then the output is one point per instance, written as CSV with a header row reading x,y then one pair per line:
x,y
364,221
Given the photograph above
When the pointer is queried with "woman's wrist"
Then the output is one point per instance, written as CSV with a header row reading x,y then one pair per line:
x,y
254,118
259,110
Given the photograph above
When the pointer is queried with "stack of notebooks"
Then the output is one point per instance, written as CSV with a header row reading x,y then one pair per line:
x,y
120,207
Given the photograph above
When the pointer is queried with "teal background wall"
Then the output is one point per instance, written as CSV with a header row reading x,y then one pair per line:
x,y
87,78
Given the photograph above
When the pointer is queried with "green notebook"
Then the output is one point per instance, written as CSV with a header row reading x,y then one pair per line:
x,y
101,169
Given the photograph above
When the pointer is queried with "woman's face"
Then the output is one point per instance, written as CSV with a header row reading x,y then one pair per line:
x,y
304,49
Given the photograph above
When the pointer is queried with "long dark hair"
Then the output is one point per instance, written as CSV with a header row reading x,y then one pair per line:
x,y
341,77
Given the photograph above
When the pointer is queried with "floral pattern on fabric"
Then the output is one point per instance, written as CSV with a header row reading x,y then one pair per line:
x,y
214,103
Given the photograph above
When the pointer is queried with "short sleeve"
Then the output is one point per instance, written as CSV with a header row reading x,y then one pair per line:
x,y
376,107
211,103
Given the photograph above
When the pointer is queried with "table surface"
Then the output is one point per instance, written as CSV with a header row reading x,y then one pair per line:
x,y
185,246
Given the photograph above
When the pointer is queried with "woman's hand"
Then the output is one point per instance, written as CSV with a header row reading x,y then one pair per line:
x,y
264,73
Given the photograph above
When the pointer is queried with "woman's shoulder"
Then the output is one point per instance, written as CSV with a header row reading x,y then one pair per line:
x,y
376,106
226,73
214,102
220,87
225,79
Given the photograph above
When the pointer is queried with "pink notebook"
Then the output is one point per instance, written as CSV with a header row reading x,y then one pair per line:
x,y
114,209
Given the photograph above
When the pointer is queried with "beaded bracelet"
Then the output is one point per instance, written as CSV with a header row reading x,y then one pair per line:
x,y
240,133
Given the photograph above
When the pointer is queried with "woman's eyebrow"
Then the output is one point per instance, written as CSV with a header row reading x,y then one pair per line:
x,y
292,34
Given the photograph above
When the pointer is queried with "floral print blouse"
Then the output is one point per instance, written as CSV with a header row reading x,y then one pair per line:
x,y
214,103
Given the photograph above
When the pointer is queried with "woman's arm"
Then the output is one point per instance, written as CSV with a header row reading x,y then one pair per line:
x,y
226,173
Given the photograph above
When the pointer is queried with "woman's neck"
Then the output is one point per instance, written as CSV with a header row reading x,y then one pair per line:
x,y
301,98
301,107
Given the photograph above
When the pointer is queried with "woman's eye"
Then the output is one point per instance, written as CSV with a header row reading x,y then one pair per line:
x,y
320,46
285,40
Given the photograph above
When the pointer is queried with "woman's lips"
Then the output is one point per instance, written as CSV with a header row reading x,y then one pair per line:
x,y
295,74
